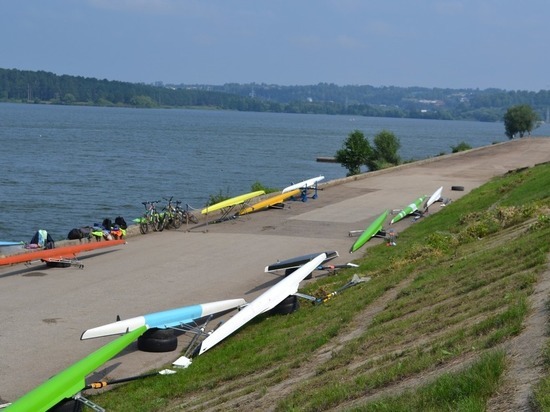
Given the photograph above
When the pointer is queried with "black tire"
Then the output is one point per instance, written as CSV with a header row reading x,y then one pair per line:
x,y
288,305
457,188
160,223
143,228
58,264
167,222
177,221
156,223
158,340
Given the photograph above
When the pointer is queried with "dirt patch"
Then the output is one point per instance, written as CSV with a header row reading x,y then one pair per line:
x,y
524,352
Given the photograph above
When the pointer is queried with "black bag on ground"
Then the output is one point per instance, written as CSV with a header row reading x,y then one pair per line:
x,y
121,222
107,224
86,231
75,234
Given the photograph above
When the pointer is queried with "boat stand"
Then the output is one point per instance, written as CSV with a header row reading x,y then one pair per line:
x,y
228,213
94,406
58,263
63,263
303,194
315,191
199,332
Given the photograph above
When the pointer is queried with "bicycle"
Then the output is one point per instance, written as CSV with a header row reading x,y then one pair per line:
x,y
186,216
172,217
151,218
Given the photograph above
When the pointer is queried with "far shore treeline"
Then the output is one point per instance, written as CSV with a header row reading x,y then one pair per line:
x,y
40,87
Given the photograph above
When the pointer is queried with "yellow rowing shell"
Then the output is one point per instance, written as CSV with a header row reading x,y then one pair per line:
x,y
237,200
269,202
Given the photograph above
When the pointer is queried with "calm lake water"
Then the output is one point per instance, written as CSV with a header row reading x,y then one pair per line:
x,y
65,167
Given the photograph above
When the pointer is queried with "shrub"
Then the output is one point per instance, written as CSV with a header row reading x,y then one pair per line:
x,y
258,186
461,147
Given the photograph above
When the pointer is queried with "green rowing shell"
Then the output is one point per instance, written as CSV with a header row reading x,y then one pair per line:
x,y
72,380
369,232
413,207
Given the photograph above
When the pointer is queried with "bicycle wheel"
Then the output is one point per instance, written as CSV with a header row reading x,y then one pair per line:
x,y
159,223
192,218
177,220
143,226
154,223
167,221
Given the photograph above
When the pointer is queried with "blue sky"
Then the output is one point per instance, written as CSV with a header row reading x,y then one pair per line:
x,y
428,43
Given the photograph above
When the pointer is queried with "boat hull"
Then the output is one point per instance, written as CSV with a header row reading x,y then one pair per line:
x,y
8,243
434,198
269,202
60,253
232,202
413,207
369,232
72,380
303,184
164,319
263,303
298,261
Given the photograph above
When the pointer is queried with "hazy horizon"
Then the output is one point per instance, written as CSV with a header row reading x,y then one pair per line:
x,y
451,44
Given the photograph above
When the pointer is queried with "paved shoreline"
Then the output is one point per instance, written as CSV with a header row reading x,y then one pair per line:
x,y
46,309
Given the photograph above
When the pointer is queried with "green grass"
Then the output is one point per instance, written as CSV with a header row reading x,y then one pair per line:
x,y
467,390
462,279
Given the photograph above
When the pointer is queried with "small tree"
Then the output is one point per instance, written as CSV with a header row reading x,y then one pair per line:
x,y
355,152
385,150
519,120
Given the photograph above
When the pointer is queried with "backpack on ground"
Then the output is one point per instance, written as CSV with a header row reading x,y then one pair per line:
x,y
75,234
79,233
86,232
42,239
121,222
107,224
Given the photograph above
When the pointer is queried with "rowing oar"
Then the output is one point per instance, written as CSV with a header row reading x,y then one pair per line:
x,y
355,280
102,384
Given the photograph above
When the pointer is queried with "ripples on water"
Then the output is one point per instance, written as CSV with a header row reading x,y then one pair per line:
x,y
65,167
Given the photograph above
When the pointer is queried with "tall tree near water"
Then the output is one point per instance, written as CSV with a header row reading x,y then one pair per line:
x,y
386,145
355,152
520,120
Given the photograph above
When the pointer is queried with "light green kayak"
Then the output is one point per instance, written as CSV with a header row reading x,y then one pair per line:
x,y
413,207
369,232
72,380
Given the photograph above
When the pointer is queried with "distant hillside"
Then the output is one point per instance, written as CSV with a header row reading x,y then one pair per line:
x,y
44,87
388,101
391,101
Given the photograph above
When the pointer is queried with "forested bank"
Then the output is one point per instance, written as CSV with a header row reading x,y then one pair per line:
x,y
42,87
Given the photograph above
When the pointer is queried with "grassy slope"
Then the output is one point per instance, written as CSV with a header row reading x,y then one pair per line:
x,y
454,289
